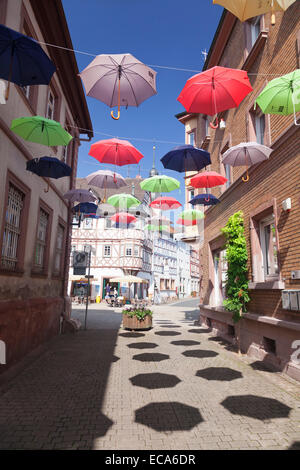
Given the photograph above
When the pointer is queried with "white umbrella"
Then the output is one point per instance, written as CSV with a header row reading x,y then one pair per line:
x,y
119,80
246,153
79,195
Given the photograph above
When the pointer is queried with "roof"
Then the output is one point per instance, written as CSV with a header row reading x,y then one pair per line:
x,y
57,32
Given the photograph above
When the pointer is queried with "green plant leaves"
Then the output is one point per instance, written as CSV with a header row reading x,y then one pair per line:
x,y
139,313
237,273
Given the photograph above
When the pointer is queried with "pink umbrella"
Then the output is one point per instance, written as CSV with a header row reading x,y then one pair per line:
x,y
123,218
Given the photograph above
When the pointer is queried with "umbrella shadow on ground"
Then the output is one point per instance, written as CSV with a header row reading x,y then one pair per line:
x,y
155,380
295,446
185,342
262,366
257,407
223,374
168,416
200,353
64,394
224,342
132,335
142,345
200,330
167,333
151,357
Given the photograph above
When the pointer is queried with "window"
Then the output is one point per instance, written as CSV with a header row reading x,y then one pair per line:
x,y
191,138
107,251
269,247
12,229
227,175
254,29
88,223
136,251
260,128
59,249
40,247
50,105
191,196
108,223
128,251
257,126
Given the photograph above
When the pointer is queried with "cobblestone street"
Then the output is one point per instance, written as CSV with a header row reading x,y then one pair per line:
x,y
173,387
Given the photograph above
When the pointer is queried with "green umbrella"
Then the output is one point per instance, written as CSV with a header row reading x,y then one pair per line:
x,y
123,200
160,184
281,95
157,228
41,130
191,214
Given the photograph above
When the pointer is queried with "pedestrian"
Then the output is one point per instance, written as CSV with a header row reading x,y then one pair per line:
x,y
107,288
115,293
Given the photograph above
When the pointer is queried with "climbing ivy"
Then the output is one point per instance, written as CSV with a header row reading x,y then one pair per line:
x,y
236,257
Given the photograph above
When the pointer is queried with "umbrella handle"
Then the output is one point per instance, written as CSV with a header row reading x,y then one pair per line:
x,y
214,126
206,199
47,189
115,117
246,178
119,93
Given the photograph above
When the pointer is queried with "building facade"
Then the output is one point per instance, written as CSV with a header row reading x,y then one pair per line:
x,y
35,222
271,327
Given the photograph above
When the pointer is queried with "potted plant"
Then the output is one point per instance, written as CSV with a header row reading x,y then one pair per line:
x,y
137,318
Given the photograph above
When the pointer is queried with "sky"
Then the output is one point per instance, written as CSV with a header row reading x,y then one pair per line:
x,y
162,33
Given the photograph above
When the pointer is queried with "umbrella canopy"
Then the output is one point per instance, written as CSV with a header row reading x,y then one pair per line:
x,y
119,80
280,96
105,210
157,228
86,208
79,195
215,90
22,60
165,203
205,200
115,151
123,200
160,184
123,218
207,179
41,130
128,279
50,167
245,9
106,179
246,153
191,214
186,222
186,158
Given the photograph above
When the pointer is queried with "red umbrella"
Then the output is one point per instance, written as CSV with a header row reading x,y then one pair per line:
x,y
165,203
187,222
215,90
123,218
207,179
115,151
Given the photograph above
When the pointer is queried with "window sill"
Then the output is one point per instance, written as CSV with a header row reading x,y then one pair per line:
x,y
256,49
267,285
7,272
41,274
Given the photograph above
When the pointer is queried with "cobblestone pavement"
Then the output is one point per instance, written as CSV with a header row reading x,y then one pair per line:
x,y
173,387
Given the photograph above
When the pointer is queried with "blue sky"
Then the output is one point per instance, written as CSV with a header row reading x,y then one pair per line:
x,y
159,33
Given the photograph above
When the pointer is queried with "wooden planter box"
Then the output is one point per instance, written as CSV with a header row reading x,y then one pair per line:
x,y
132,323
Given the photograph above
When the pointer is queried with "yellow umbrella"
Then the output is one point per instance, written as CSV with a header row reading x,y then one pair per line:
x,y
245,9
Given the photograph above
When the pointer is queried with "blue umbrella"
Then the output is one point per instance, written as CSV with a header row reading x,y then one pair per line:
x,y
86,208
205,200
186,158
50,167
22,60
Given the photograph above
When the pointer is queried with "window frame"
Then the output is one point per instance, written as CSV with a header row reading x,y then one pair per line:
x,y
12,179
59,273
37,270
110,251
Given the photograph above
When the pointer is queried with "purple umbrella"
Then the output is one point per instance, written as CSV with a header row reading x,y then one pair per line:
x,y
106,179
79,195
119,80
246,153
